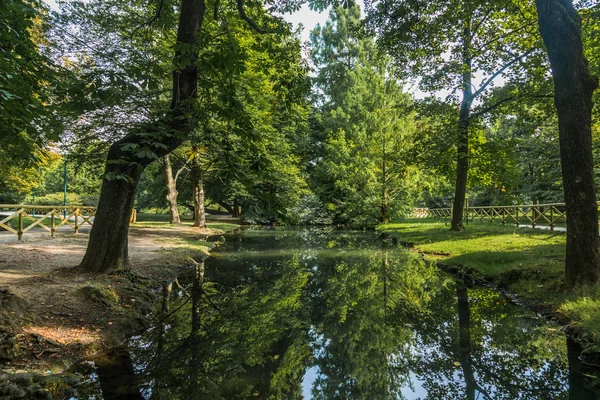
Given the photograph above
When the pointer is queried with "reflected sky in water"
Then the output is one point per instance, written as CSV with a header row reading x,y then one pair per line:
x,y
325,314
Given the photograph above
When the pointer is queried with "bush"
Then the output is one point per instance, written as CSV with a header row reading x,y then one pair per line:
x,y
311,211
73,199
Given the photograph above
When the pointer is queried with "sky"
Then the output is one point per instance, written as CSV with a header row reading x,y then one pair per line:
x,y
308,18
304,16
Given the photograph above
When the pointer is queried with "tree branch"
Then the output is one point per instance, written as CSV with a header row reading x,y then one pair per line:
x,y
499,72
480,23
254,25
486,44
491,107
216,9
151,20
505,100
179,172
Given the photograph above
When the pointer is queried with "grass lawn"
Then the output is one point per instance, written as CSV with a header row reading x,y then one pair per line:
x,y
529,262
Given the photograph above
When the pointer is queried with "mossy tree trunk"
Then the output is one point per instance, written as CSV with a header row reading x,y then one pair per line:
x,y
560,27
107,246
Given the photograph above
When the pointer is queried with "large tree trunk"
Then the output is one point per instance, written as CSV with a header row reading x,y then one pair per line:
x,y
462,164
199,210
560,26
236,209
107,246
171,190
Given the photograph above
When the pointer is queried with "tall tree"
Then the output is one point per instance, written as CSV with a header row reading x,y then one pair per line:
x,y
32,90
451,45
560,26
127,157
364,172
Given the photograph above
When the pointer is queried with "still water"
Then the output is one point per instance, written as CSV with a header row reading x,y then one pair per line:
x,y
325,314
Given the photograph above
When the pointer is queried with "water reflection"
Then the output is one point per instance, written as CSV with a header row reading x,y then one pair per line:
x,y
291,314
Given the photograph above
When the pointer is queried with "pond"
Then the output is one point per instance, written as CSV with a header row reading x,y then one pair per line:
x,y
328,314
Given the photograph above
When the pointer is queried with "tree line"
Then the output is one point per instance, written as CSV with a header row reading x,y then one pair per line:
x,y
179,104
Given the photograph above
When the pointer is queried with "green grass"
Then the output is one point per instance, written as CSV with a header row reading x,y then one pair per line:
x,y
14,223
151,217
218,225
529,262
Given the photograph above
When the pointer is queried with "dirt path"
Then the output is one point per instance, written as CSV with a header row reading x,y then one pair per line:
x,y
58,315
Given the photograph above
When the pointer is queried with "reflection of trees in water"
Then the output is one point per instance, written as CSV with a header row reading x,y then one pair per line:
x,y
491,351
379,322
577,388
117,376
458,342
240,338
362,337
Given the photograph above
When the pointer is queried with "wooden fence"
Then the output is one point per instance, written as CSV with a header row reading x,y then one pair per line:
x,y
19,219
530,214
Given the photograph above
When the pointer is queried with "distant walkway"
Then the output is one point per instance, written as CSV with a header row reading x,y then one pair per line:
x,y
545,227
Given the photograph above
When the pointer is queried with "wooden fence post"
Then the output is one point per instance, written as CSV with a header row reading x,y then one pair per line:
x,y
517,216
133,216
52,223
551,218
76,221
20,227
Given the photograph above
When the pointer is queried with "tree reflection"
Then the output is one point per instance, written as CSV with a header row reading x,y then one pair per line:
x,y
577,388
117,376
361,336
497,351
243,337
464,343
374,322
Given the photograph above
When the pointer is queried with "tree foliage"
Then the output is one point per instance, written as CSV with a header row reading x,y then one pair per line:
x,y
366,167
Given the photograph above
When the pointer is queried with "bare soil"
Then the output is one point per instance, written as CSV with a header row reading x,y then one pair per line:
x,y
62,315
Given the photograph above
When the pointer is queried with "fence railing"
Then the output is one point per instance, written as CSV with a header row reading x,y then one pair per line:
x,y
19,219
530,214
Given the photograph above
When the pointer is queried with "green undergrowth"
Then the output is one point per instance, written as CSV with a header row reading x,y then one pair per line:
x,y
528,262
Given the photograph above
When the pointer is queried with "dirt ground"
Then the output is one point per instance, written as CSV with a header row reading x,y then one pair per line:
x,y
57,316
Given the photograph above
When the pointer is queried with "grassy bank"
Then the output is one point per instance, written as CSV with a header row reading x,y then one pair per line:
x,y
528,262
